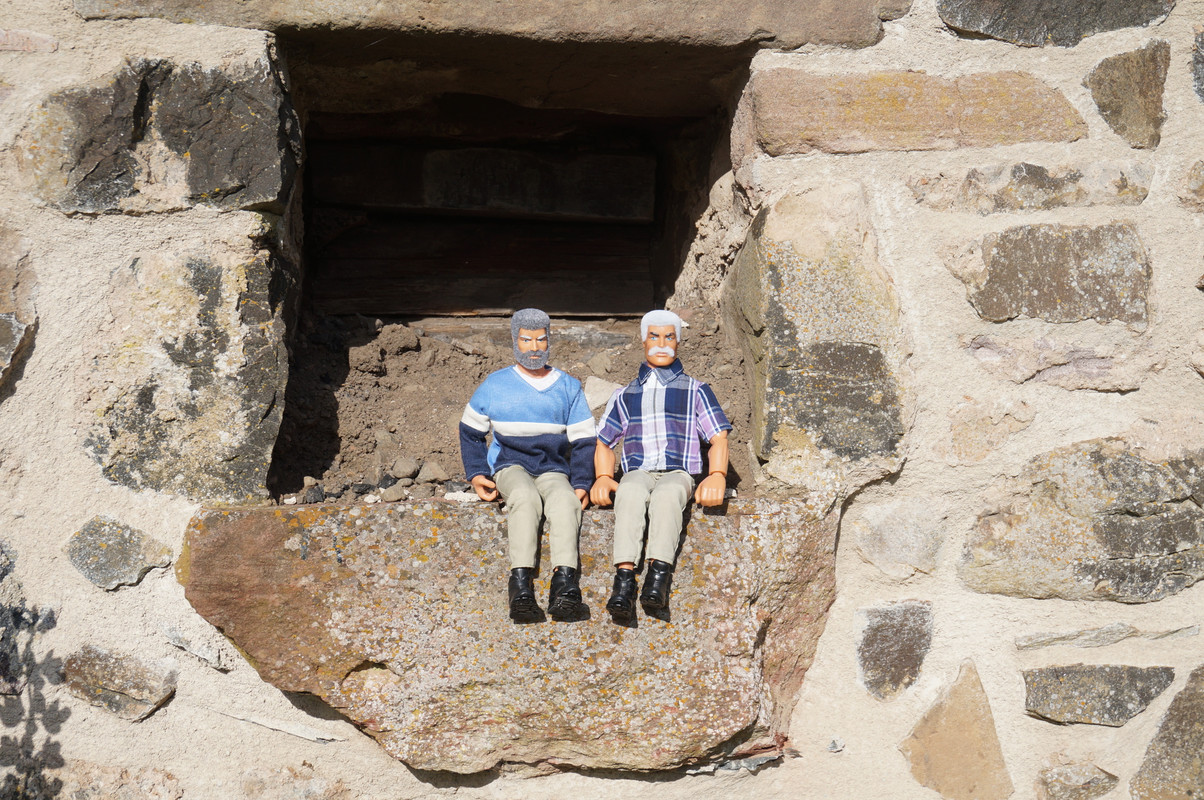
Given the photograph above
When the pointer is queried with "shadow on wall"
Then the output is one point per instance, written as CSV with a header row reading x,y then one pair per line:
x,y
28,750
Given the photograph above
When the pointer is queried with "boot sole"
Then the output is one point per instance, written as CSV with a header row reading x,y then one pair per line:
x,y
620,613
524,611
563,609
654,603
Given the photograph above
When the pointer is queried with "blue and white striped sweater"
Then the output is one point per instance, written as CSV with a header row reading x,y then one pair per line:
x,y
541,430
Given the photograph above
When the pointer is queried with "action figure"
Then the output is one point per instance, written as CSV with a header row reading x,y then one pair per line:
x,y
661,416
539,461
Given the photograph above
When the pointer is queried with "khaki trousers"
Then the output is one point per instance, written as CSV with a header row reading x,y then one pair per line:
x,y
663,497
528,499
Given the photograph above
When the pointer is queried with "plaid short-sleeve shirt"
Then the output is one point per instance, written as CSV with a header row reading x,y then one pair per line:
x,y
662,416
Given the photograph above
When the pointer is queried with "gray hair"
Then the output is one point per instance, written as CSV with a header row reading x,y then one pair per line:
x,y
530,319
660,317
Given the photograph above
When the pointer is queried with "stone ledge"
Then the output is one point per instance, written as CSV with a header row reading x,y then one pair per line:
x,y
395,614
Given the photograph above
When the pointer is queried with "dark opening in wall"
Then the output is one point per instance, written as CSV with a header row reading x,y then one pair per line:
x,y
453,177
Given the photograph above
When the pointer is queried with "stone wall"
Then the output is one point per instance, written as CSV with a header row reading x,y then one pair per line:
x,y
967,304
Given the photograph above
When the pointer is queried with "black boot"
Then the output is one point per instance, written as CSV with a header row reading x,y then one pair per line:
x,y
564,596
621,604
656,585
523,607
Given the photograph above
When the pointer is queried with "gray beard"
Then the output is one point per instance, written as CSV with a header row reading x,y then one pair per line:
x,y
534,359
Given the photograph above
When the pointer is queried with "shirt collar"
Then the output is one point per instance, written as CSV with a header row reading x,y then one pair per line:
x,y
664,375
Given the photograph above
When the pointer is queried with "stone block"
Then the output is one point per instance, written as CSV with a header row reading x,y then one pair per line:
x,y
18,320
795,111
1197,64
291,783
1036,23
159,136
396,616
27,42
111,554
710,23
1031,187
1074,782
900,539
817,319
978,429
1061,273
1127,89
185,382
87,780
893,645
1099,637
1097,694
1191,192
16,620
1100,367
954,749
1095,520
127,686
1172,766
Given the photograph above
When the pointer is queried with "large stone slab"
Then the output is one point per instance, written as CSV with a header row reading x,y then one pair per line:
x,y
796,111
1102,366
1030,187
893,645
129,687
1092,521
184,384
1172,766
1097,694
1099,637
1061,273
954,749
710,23
18,319
1040,22
1127,89
111,554
160,136
395,614
817,318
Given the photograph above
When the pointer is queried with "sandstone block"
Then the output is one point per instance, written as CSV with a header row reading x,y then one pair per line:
x,y
954,749
900,539
87,780
1092,521
1098,694
129,687
893,645
27,42
1062,273
291,783
1172,766
111,554
1030,187
711,23
158,136
396,615
1040,22
796,111
818,321
1191,193
185,384
1074,782
18,320
978,429
1119,366
1127,89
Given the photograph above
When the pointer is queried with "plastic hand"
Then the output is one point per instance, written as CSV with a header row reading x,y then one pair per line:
x,y
711,490
485,488
602,489
583,496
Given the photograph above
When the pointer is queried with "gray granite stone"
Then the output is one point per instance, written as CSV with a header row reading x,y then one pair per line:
x,y
1197,64
1097,694
18,320
1074,782
111,554
1092,521
1172,767
1062,273
1127,89
893,645
127,686
1040,22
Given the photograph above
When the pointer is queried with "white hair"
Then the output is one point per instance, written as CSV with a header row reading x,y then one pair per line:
x,y
660,317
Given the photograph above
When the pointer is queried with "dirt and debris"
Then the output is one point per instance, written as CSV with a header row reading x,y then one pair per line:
x,y
373,405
